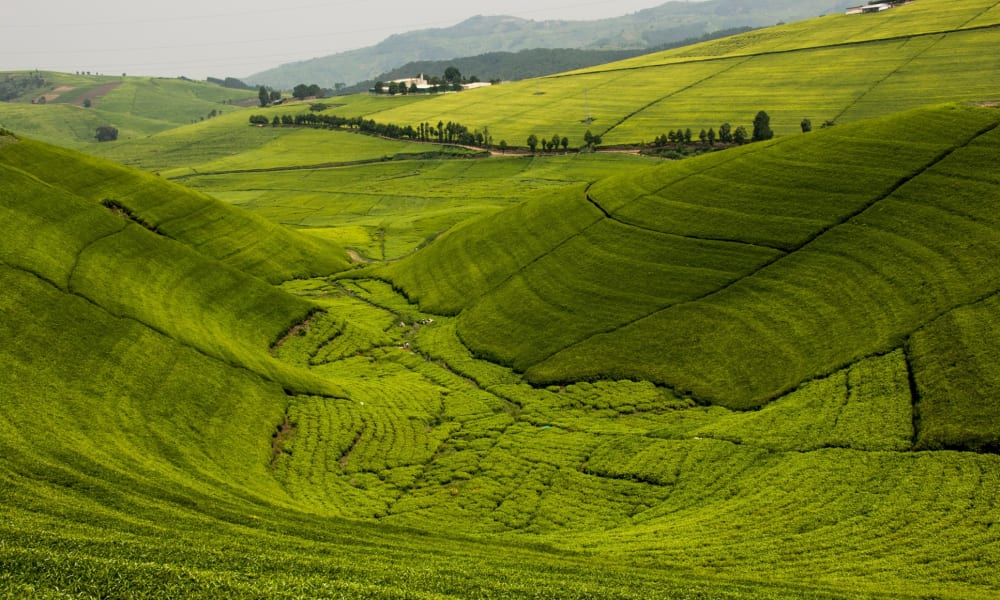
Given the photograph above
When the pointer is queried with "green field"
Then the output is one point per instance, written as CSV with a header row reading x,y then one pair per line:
x,y
279,362
841,68
136,106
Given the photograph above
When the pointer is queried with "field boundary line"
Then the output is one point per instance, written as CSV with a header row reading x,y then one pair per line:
x,y
702,59
326,165
842,221
736,63
675,235
882,80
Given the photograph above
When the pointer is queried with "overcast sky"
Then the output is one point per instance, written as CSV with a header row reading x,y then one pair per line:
x,y
224,38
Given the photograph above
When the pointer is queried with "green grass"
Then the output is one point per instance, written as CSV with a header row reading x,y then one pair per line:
x,y
200,402
388,209
953,358
153,446
868,274
211,228
136,106
839,67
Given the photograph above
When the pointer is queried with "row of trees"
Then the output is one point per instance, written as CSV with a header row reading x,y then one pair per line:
x,y
556,142
266,95
454,133
726,134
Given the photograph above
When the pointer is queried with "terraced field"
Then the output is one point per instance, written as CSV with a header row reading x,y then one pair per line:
x,y
765,372
809,255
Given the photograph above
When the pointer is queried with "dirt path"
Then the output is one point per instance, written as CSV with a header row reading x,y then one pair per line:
x,y
356,257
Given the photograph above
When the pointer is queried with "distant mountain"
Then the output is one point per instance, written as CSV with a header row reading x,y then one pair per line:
x,y
670,22
524,64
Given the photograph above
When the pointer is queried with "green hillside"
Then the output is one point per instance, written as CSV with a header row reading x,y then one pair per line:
x,y
769,371
682,273
216,230
326,459
840,68
136,106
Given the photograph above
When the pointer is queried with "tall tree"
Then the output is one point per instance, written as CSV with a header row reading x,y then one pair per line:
x,y
532,142
762,127
263,96
806,125
740,135
107,133
725,133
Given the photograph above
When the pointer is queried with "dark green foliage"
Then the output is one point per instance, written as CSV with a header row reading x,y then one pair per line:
x,y
303,91
954,362
16,85
106,133
229,82
761,127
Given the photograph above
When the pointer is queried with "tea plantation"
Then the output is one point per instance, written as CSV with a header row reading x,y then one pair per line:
x,y
280,362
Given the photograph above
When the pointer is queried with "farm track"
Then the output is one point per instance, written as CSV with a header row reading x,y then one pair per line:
x,y
312,167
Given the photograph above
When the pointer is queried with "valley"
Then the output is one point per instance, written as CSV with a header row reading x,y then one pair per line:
x,y
290,362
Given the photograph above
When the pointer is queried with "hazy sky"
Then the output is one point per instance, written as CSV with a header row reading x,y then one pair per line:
x,y
229,38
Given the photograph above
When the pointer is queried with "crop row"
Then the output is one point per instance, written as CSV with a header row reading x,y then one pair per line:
x,y
856,290
866,407
619,272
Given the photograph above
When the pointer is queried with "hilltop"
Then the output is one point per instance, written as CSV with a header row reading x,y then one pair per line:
x,y
667,23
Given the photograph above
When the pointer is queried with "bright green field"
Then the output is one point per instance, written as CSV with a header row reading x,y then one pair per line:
x,y
386,210
696,265
766,372
136,106
922,53
368,452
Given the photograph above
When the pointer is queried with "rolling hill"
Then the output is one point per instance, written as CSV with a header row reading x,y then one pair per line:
x,y
769,371
190,447
838,68
67,109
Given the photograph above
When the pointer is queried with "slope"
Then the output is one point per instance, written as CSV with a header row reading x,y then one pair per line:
x,y
147,439
245,242
75,105
682,274
839,68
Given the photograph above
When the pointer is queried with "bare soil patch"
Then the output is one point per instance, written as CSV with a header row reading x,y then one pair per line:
x,y
97,92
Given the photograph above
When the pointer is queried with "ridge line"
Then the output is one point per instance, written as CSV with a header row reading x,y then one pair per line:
x,y
844,220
